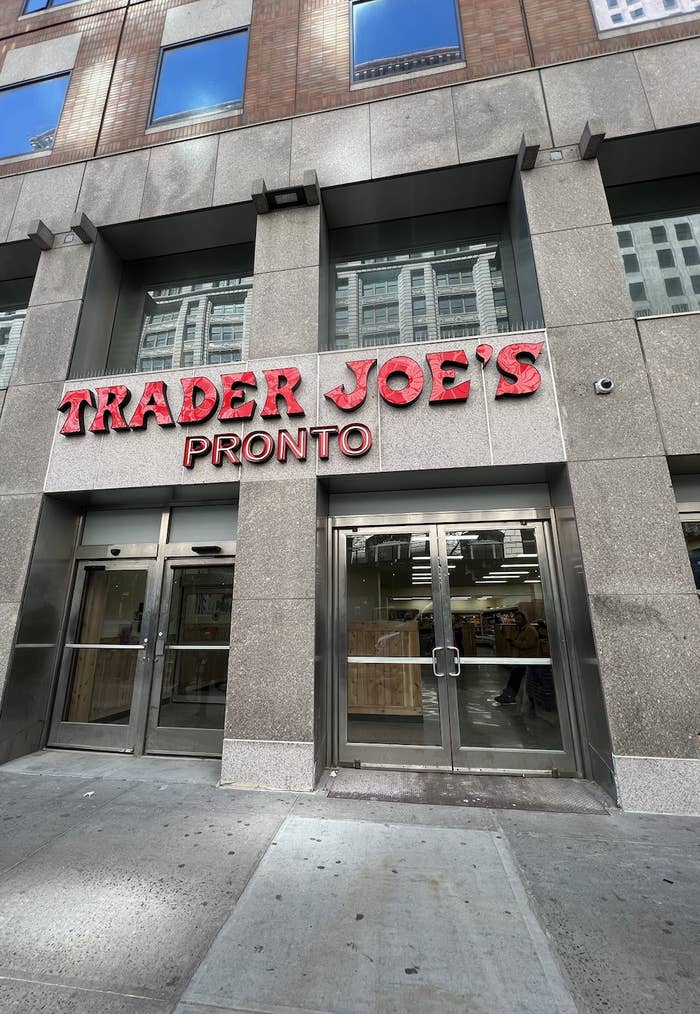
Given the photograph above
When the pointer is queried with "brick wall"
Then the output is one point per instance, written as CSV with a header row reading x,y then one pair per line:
x,y
299,61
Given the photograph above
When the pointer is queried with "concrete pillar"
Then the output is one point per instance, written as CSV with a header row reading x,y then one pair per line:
x,y
273,728
29,418
644,610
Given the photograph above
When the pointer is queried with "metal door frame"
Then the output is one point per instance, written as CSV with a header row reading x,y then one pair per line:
x,y
95,735
497,760
174,740
376,754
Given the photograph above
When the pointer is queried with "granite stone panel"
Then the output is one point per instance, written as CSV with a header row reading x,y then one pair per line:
x,y
9,612
649,646
335,143
158,452
47,340
61,274
265,764
74,461
112,188
659,784
26,430
617,425
19,516
271,670
672,356
180,177
631,539
42,59
607,88
204,17
491,116
276,551
252,153
580,276
288,239
2,399
48,194
413,133
285,313
670,77
565,195
524,429
10,187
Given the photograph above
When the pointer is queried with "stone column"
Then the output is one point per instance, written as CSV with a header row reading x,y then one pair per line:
x,y
29,419
273,723
644,610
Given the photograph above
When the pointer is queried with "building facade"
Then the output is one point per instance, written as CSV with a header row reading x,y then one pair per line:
x,y
348,387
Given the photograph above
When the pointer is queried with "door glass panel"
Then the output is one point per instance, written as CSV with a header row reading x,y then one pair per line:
x,y
108,528
102,675
392,693
506,696
195,663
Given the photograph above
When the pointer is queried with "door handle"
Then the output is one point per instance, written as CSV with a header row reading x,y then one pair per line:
x,y
457,670
160,645
436,667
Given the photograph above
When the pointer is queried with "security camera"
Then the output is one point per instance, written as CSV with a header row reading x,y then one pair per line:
x,y
604,386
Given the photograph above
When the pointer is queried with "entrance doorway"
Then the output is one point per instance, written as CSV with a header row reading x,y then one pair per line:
x,y
450,651
145,660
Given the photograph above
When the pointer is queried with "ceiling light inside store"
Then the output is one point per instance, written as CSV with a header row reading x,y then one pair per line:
x,y
532,582
519,566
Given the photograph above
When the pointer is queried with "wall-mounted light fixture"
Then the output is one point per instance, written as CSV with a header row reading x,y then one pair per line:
x,y
306,194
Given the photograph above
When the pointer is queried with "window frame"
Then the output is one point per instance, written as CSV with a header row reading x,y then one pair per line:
x,y
48,6
36,80
194,117
355,83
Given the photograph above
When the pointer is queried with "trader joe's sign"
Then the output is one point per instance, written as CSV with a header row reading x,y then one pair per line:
x,y
400,382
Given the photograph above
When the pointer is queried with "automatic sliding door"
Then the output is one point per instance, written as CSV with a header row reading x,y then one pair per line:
x,y
393,707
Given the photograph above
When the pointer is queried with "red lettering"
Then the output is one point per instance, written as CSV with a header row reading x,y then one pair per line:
x,y
484,353
225,446
110,402
298,448
407,367
349,400
154,402
231,382
442,366
323,435
199,401
359,430
195,447
75,402
282,384
258,457
517,377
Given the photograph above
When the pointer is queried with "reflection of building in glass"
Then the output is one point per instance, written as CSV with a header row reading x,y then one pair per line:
x,y
11,323
618,13
661,258
420,296
408,64
43,141
204,323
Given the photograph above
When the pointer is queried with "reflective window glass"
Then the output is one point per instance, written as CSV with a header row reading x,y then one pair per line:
x,y
201,78
29,115
691,530
636,12
403,36
14,297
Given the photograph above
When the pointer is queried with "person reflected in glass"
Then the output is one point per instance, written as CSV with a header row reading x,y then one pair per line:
x,y
523,643
539,681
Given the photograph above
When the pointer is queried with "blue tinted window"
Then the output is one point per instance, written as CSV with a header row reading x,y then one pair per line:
x,y
201,77
29,115
41,5
399,36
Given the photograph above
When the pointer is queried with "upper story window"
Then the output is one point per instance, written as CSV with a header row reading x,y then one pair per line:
x,y
14,296
660,243
403,36
41,5
201,78
691,530
29,115
427,289
618,13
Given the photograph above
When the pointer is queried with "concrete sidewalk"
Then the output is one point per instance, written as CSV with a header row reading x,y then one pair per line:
x,y
139,887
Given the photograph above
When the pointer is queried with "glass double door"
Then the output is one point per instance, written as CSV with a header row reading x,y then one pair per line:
x,y
449,650
145,662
